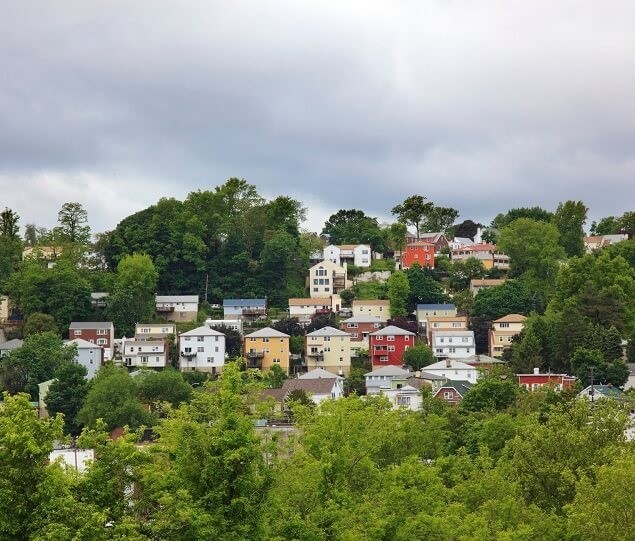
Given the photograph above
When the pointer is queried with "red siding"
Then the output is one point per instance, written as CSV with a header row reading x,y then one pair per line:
x,y
418,252
529,380
379,348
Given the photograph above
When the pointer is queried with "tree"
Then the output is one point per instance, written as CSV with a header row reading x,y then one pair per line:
x,y
462,272
38,323
66,395
413,211
570,218
278,269
398,292
440,219
511,297
113,398
233,340
9,224
396,234
73,219
606,226
481,326
285,214
494,392
166,385
10,244
353,226
534,213
275,377
423,288
590,363
419,356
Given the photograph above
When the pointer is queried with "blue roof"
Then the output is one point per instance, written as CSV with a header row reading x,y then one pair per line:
x,y
436,307
245,302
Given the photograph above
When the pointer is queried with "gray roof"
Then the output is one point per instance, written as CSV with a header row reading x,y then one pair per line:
x,y
79,325
99,295
267,332
81,343
455,364
389,370
436,307
428,375
364,318
177,298
391,330
442,332
310,386
461,386
245,302
202,331
480,359
14,343
328,331
319,373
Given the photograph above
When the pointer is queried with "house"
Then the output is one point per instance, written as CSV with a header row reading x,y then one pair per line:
x,y
10,345
424,311
101,333
444,323
89,355
326,278
596,242
387,345
386,377
375,307
359,255
266,347
484,363
454,370
422,379
317,389
305,309
486,253
99,299
536,380
452,344
154,331
328,348
202,349
359,327
320,373
179,308
244,308
407,396
476,284
502,331
233,324
439,240
145,353
43,389
46,254
460,242
598,392
453,391
4,308
418,252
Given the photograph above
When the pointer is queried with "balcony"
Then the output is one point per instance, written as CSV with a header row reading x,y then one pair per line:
x,y
317,355
165,309
254,312
189,355
254,358
323,312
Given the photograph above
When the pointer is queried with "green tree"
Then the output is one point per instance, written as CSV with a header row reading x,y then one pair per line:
x,y
396,234
233,340
590,364
511,297
419,356
493,392
466,229
413,211
481,326
275,377
534,213
38,323
10,244
166,385
423,287
66,395
353,226
279,274
439,219
462,272
73,224
608,225
570,218
398,292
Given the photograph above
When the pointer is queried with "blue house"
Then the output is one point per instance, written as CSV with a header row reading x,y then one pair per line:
x,y
244,308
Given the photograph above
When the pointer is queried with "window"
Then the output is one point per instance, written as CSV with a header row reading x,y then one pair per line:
x,y
102,331
156,359
321,271
354,335
315,281
78,332
101,341
209,359
352,325
200,349
504,325
265,339
406,338
187,338
327,338
327,289
439,350
200,338
187,350
379,337
390,338
442,340
452,350
383,358
403,400
391,348
465,340
448,395
276,360
144,359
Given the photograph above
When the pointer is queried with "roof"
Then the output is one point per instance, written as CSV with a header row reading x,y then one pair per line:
x,y
422,374
80,325
145,343
477,248
441,319
371,302
177,298
434,236
328,331
245,302
203,330
310,386
481,359
510,318
446,306
316,301
389,371
81,343
460,386
480,282
454,365
391,330
96,295
364,318
420,243
267,332
14,343
444,332
319,373
351,246
276,394
605,390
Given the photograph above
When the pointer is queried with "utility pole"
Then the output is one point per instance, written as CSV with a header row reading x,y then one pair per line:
x,y
206,285
592,388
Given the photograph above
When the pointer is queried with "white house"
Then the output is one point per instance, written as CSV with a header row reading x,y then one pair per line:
x,y
385,378
452,369
10,345
326,278
177,307
406,396
317,389
360,255
89,355
144,353
233,324
453,344
202,349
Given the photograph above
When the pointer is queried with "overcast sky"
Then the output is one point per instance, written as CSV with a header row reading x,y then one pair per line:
x,y
478,105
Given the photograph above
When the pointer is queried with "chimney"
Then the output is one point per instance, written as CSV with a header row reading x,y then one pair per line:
x,y
448,362
537,370
418,374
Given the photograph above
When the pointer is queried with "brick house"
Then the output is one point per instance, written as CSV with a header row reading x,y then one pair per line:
x,y
101,333
418,252
453,391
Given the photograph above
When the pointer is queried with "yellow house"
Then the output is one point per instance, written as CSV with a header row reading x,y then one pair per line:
x,y
330,349
376,307
266,347
502,332
425,311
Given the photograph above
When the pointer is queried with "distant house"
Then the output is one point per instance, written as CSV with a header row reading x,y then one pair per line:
x,y
154,331
453,391
305,309
453,369
359,327
46,254
502,331
384,378
536,380
328,348
233,324
267,347
375,307
244,309
452,344
320,373
145,353
387,345
600,241
424,311
326,278
4,308
89,355
444,323
487,254
101,333
599,392
317,389
439,240
99,299
484,363
179,308
418,252
202,349
10,345
359,255
477,284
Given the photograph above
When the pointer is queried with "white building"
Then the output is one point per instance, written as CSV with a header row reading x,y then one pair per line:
x,y
89,355
233,324
453,344
177,307
144,353
359,255
202,349
452,369
154,331
384,378
326,278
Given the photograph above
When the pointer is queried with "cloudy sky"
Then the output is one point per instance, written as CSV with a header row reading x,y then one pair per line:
x,y
481,105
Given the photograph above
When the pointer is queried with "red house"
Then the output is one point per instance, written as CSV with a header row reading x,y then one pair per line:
x,y
418,252
388,344
101,333
453,391
558,382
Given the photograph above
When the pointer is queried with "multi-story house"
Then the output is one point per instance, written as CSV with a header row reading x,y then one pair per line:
x,y
454,370
305,309
89,355
177,307
154,331
418,252
145,353
452,344
244,309
267,347
359,327
439,240
487,254
233,324
424,311
477,284
536,380
386,377
444,323
101,333
202,349
373,307
359,255
387,345
502,332
328,348
326,278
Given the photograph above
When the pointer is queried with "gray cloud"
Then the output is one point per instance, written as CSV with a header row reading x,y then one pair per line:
x,y
478,105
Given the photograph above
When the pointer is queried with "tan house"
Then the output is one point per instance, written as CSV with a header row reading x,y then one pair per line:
x,y
445,323
4,308
42,253
328,348
477,284
486,253
326,278
502,332
154,331
376,307
266,347
359,327
305,309
180,308
425,311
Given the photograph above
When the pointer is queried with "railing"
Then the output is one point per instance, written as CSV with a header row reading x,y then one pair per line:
x,y
254,311
188,355
165,308
253,354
